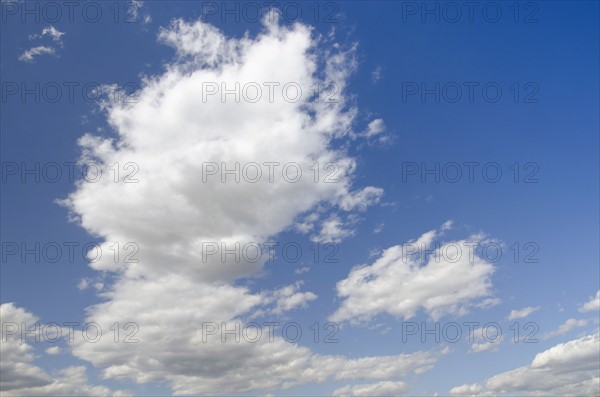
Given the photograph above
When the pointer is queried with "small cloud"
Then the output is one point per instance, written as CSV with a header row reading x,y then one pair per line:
x,y
522,313
484,346
447,225
482,341
333,230
49,31
302,270
376,131
379,228
375,127
289,298
466,390
135,7
30,54
376,74
54,350
307,224
361,199
83,284
592,305
489,303
566,327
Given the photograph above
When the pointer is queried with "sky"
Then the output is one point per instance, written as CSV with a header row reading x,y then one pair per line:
x,y
300,198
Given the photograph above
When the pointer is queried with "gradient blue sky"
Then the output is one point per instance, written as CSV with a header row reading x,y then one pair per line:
x,y
558,52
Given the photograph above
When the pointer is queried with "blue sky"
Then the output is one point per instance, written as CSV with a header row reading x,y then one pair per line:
x,y
541,133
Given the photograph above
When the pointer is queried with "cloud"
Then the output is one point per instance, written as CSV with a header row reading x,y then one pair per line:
x,y
171,312
54,350
135,7
20,377
361,199
566,327
289,298
50,31
592,305
333,230
484,346
566,369
376,74
302,270
375,127
401,284
83,284
376,131
521,313
30,54
170,133
174,290
386,388
466,390
484,340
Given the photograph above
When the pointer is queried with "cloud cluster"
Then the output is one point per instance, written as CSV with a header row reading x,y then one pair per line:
x,y
21,377
51,32
401,284
566,369
170,132
173,347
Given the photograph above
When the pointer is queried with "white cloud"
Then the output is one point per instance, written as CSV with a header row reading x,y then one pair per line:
x,y
484,346
30,54
566,369
133,12
170,132
402,284
566,327
386,388
20,377
197,366
361,199
172,291
54,350
376,74
83,284
333,230
54,34
521,313
302,270
50,31
592,305
289,298
376,131
374,128
466,390
489,302
483,339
